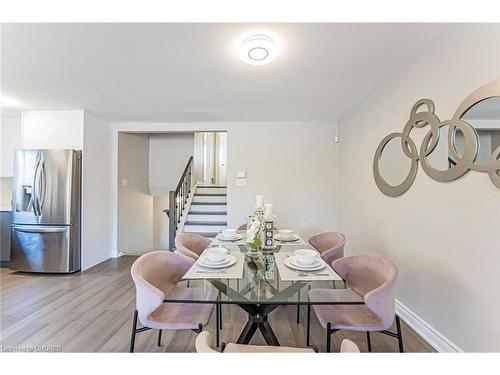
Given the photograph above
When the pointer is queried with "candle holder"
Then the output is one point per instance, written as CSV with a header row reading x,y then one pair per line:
x,y
269,244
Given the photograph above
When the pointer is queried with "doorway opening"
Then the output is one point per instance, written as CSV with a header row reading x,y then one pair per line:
x,y
210,158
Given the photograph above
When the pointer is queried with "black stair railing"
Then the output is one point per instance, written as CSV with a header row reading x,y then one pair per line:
x,y
177,202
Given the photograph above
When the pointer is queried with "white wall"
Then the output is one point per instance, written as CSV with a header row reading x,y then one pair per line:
x,y
10,140
444,237
98,176
135,204
294,164
160,223
168,156
53,129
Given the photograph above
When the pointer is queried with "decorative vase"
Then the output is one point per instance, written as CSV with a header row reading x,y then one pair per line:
x,y
255,233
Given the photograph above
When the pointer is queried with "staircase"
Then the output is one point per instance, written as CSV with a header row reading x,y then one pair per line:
x,y
207,214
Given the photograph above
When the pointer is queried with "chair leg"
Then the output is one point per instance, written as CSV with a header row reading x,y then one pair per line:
x,y
220,317
217,325
400,335
369,341
328,337
134,327
308,328
159,337
298,314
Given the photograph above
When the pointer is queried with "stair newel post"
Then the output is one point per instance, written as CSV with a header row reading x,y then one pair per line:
x,y
172,223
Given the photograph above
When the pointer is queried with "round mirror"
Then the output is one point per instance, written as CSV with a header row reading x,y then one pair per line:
x,y
394,164
484,116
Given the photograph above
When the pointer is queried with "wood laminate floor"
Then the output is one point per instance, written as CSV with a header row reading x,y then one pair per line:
x,y
91,311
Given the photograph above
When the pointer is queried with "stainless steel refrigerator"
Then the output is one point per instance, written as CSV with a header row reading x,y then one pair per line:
x,y
46,210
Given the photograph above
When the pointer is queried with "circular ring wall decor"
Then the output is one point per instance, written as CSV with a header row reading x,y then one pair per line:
x,y
460,162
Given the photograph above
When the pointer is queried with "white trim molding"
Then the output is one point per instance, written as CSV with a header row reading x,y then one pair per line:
x,y
436,339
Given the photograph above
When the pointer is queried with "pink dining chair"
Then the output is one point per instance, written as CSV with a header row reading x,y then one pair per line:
x,y
330,245
203,340
191,244
203,346
156,276
372,277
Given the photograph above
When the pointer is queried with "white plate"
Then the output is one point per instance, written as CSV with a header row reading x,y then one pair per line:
x,y
214,263
289,262
230,261
218,247
292,238
235,238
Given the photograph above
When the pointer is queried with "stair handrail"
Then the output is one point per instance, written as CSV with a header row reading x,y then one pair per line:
x,y
177,202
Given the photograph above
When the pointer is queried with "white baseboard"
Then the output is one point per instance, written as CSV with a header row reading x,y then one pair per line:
x,y
436,339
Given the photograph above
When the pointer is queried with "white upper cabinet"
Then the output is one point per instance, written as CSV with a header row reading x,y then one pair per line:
x,y
10,140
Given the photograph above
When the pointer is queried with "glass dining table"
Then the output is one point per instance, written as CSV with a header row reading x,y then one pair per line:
x,y
261,289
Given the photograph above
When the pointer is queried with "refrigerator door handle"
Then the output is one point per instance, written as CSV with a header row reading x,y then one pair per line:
x,y
39,229
43,188
34,190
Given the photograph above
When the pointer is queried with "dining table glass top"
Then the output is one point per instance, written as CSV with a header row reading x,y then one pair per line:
x,y
261,283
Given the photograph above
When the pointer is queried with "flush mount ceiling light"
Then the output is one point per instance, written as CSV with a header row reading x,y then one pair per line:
x,y
258,49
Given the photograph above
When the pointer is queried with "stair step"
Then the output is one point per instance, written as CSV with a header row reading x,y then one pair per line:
x,y
210,194
209,204
201,207
210,198
207,213
215,223
211,190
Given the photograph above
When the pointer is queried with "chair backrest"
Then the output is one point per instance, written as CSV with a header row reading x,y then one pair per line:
x,y
202,343
374,278
155,274
191,244
330,245
347,346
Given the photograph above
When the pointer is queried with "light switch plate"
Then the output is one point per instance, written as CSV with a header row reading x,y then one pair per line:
x,y
124,181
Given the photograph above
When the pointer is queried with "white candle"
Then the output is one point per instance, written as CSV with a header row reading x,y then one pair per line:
x,y
259,201
268,212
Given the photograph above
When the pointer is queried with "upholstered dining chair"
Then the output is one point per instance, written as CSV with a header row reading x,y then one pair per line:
x,y
191,244
203,346
203,340
155,276
330,245
372,277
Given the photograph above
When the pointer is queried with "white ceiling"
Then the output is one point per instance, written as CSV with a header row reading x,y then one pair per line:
x,y
190,72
